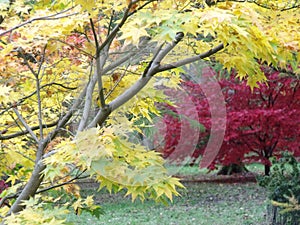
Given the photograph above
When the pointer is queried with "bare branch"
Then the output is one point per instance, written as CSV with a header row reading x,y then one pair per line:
x,y
29,189
154,67
95,36
110,21
20,101
99,68
162,54
116,84
99,61
118,62
73,46
36,178
134,51
38,93
77,177
151,62
136,87
71,181
191,59
25,125
5,198
88,102
100,117
50,17
21,133
114,32
151,69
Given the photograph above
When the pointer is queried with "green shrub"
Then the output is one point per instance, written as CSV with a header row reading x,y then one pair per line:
x,y
283,186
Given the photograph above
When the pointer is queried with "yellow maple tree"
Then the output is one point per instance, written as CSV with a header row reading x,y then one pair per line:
x,y
73,78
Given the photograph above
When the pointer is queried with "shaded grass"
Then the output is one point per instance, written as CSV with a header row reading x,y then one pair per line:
x,y
186,170
200,203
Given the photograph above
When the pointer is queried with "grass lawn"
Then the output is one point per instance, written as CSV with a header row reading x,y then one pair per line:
x,y
200,203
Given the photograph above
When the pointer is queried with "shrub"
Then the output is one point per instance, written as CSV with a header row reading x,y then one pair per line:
x,y
283,186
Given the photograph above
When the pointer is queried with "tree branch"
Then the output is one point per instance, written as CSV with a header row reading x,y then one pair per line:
x,y
73,46
88,102
36,178
20,101
191,59
134,51
114,32
116,84
136,87
77,177
26,125
105,110
10,136
51,17
100,61
162,54
38,93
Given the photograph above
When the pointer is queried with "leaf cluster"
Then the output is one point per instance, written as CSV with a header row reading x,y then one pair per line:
x,y
258,122
283,185
284,179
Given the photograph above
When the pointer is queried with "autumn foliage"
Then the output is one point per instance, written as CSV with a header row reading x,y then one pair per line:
x,y
77,77
260,123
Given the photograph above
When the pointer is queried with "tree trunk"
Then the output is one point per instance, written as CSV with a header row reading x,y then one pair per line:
x,y
267,170
232,168
29,190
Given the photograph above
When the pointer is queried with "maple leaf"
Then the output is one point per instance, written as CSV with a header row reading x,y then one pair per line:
x,y
4,93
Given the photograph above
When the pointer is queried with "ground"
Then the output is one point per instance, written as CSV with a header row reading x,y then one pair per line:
x,y
207,199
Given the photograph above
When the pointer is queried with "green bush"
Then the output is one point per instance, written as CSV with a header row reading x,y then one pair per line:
x,y
283,186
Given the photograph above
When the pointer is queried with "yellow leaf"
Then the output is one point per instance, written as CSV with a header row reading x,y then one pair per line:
x,y
90,48
86,4
7,49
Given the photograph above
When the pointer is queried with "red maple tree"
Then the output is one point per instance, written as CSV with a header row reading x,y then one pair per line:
x,y
260,123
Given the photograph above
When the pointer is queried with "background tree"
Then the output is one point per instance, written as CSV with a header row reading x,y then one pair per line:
x,y
68,69
260,123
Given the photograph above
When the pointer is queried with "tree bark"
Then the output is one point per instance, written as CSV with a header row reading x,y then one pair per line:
x,y
30,188
232,169
267,170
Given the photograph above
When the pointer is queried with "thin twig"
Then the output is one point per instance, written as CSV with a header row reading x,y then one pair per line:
x,y
45,189
114,32
62,184
73,46
50,17
25,125
16,121
10,136
20,101
116,83
110,21
38,93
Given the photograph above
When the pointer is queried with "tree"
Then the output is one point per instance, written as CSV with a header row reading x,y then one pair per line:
x,y
260,124
69,68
